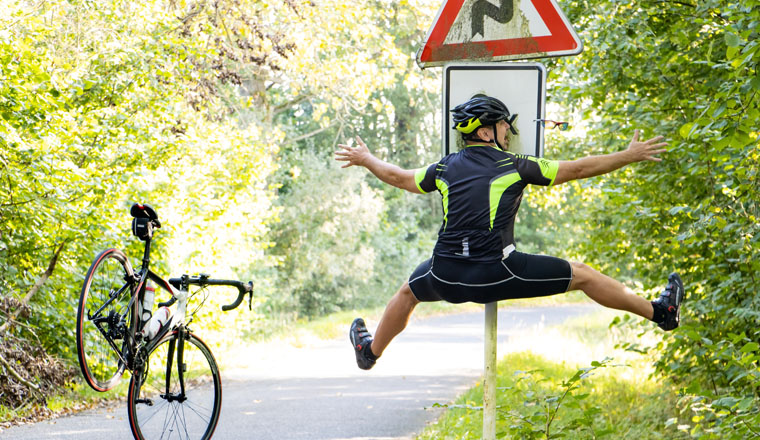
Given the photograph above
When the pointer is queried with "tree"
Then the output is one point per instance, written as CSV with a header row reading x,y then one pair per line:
x,y
689,71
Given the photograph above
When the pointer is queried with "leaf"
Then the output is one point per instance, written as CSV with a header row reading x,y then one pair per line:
x,y
755,83
749,347
732,40
676,209
686,130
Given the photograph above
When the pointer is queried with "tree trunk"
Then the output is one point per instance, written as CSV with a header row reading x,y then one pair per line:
x,y
40,281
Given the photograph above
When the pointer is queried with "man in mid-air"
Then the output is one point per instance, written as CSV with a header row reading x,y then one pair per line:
x,y
475,258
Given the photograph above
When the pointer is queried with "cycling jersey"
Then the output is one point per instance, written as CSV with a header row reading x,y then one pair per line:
x,y
481,188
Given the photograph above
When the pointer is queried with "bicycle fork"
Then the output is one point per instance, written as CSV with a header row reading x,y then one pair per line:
x,y
181,368
176,346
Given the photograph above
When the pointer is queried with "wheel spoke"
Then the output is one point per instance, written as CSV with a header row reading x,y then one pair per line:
x,y
190,416
100,364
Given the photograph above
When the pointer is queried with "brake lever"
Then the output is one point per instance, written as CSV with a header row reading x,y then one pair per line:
x,y
250,295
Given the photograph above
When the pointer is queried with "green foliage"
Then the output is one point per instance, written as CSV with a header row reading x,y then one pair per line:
x,y
343,239
192,106
544,407
540,398
340,246
223,116
688,71
91,121
322,233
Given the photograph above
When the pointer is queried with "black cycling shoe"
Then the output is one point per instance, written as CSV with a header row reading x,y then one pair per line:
x,y
670,301
361,339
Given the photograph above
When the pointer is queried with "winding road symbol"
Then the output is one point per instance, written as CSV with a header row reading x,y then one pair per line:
x,y
482,8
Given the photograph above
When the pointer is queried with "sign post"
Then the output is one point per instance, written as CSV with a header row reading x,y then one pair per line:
x,y
489,373
479,30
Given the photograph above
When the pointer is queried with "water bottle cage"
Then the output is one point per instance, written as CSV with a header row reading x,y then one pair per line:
x,y
142,228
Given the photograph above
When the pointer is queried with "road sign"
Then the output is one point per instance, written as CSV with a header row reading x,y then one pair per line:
x,y
520,86
478,30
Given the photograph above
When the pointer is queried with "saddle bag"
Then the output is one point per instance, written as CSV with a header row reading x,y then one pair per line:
x,y
142,228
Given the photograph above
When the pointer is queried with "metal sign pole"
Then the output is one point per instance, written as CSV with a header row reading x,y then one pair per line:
x,y
489,379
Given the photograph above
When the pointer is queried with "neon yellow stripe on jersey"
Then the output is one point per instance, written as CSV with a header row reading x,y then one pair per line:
x,y
444,189
552,166
548,167
419,175
497,188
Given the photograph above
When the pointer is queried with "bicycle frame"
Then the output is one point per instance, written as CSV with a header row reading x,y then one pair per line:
x,y
163,363
136,282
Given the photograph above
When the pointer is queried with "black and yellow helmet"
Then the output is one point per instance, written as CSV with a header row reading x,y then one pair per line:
x,y
479,111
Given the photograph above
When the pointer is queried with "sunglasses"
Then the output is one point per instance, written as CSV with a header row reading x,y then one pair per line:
x,y
562,125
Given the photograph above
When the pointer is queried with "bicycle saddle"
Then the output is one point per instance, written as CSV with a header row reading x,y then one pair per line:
x,y
144,211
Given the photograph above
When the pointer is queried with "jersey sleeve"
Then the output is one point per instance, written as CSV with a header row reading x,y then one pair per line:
x,y
425,178
537,170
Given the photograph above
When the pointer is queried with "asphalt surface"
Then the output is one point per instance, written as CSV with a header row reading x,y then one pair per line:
x,y
280,392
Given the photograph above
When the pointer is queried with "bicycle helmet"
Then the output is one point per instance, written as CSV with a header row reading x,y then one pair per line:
x,y
481,111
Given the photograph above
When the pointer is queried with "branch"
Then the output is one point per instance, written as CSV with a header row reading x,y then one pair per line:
x,y
3,205
338,135
313,133
15,374
40,281
282,107
678,3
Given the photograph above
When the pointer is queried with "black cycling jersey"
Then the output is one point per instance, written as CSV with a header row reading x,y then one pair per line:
x,y
481,188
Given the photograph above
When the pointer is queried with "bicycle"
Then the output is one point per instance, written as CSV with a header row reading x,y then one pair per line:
x,y
175,390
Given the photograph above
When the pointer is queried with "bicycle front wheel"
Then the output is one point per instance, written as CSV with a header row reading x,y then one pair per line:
x,y
104,319
160,407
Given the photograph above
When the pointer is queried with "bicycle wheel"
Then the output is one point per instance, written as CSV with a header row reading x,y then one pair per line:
x,y
158,409
104,314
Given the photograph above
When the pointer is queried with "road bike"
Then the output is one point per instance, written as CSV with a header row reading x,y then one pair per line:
x,y
175,390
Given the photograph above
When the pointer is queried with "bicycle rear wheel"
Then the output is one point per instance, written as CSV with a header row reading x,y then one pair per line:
x,y
104,314
158,407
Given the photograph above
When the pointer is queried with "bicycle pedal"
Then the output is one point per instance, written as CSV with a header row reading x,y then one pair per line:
x,y
148,402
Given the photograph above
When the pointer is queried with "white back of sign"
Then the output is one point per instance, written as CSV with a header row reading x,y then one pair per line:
x,y
521,86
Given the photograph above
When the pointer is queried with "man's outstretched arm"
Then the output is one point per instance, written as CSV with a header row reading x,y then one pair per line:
x,y
597,165
388,173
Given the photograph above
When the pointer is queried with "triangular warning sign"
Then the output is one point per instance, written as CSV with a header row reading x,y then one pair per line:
x,y
479,30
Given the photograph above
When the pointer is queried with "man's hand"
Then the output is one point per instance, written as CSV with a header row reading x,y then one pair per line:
x,y
646,150
597,165
357,155
388,173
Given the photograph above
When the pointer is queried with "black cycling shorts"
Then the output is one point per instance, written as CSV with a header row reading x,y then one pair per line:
x,y
518,276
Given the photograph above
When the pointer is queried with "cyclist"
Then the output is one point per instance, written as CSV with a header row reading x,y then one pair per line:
x,y
475,258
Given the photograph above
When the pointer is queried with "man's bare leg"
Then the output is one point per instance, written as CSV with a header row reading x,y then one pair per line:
x,y
394,320
609,292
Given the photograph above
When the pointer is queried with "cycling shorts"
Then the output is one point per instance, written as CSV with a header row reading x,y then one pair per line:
x,y
520,275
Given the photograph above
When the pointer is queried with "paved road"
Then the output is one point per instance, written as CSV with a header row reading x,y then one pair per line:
x,y
280,392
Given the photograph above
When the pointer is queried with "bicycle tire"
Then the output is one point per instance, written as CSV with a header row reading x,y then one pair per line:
x,y
152,415
101,366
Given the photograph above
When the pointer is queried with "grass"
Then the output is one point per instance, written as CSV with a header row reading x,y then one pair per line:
x,y
619,401
78,396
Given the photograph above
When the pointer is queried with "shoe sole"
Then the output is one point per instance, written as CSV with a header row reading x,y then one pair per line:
x,y
361,362
675,279
358,322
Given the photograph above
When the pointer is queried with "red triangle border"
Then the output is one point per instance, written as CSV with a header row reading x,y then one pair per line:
x,y
562,39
